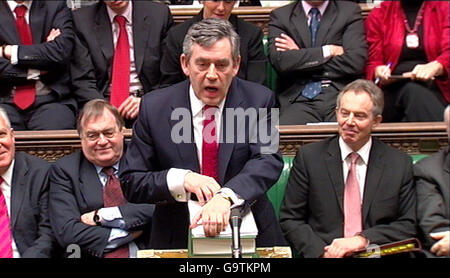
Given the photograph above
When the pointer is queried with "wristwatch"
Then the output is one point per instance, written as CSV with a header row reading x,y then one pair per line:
x,y
226,197
96,218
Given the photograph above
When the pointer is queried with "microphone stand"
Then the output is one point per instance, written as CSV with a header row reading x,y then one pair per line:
x,y
235,222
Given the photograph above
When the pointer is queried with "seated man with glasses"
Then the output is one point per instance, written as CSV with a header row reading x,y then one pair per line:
x,y
87,206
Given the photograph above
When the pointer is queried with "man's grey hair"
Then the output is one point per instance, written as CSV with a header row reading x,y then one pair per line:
x,y
4,115
360,86
207,32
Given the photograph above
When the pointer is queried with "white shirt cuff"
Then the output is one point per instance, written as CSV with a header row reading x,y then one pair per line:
x,y
326,52
109,214
175,183
33,74
14,54
117,233
237,200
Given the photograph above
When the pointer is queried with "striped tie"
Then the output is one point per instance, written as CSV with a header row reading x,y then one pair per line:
x,y
5,228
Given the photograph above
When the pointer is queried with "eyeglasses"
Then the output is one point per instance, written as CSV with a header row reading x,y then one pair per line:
x,y
95,135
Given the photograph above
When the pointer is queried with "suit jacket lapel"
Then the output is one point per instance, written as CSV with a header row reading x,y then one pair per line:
x,y
232,101
375,170
300,21
37,21
141,29
335,171
90,185
186,150
103,32
18,187
8,25
326,23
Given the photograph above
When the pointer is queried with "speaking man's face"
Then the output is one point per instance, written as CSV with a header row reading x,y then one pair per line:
x,y
211,70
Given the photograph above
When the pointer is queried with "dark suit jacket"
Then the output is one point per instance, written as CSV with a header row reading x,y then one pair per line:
x,y
52,57
94,48
75,189
29,207
312,215
432,176
242,166
341,24
253,60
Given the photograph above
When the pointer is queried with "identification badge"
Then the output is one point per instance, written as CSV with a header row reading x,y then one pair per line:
x,y
412,40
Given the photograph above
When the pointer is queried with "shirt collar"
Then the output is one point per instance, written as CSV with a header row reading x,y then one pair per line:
x,y
307,7
363,152
8,175
13,4
197,104
99,168
128,14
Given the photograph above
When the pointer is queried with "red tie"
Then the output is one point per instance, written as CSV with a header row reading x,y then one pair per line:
x,y
352,201
120,83
210,147
5,228
113,197
25,94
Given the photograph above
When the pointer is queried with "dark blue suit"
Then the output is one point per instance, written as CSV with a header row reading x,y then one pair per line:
x,y
242,166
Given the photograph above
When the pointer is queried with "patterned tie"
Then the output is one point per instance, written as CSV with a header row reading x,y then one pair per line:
x,y
5,228
210,146
112,197
312,89
24,95
352,201
120,80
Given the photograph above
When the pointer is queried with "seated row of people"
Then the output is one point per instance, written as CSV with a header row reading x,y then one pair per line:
x,y
119,50
80,202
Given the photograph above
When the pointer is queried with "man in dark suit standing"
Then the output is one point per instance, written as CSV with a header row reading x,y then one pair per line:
x,y
253,60
117,52
24,221
317,47
165,165
432,176
87,206
350,190
37,40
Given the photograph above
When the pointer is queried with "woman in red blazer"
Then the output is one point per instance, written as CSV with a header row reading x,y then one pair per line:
x,y
410,38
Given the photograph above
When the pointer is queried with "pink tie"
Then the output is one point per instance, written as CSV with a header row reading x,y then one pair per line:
x,y
352,201
5,228
120,80
24,95
210,147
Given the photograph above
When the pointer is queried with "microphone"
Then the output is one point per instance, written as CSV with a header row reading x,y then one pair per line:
x,y
235,222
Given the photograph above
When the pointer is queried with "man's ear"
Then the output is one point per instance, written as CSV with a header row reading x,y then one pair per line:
x,y
377,120
236,65
184,64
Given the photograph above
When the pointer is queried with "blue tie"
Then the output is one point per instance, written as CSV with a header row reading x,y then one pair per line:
x,y
312,89
314,25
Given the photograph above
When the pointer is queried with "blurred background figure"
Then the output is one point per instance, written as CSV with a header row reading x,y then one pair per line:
x,y
409,55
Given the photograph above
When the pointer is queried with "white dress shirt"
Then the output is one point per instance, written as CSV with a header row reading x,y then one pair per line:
x,y
135,84
113,213
361,164
175,176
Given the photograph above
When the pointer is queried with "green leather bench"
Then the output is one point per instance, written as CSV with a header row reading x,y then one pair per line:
x,y
276,192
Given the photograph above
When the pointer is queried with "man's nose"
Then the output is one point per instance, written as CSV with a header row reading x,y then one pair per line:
x,y
212,72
